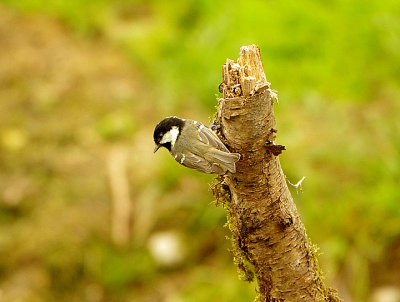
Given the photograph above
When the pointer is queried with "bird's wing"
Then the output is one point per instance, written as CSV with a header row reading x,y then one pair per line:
x,y
208,137
198,163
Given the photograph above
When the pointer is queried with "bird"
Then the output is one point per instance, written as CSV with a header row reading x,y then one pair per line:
x,y
194,145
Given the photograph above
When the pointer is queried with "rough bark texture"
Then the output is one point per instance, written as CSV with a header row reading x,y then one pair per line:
x,y
269,240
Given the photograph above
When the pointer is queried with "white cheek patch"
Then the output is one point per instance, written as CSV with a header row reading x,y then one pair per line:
x,y
170,136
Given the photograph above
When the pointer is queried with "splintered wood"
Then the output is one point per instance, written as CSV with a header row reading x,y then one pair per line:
x,y
244,77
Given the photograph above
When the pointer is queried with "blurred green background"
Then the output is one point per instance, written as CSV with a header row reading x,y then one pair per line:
x,y
88,213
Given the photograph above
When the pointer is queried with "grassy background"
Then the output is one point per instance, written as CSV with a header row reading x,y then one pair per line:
x,y
80,80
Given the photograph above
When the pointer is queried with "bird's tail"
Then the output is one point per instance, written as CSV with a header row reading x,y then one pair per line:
x,y
225,159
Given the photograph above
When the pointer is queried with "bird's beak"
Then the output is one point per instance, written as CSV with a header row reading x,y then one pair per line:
x,y
156,148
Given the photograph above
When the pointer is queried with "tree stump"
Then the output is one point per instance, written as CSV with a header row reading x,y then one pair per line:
x,y
269,241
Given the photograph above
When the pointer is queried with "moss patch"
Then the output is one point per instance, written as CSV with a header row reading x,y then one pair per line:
x,y
240,258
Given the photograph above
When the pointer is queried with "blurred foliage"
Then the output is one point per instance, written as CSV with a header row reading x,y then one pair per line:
x,y
78,77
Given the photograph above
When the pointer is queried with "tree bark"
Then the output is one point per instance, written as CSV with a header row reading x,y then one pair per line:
x,y
268,238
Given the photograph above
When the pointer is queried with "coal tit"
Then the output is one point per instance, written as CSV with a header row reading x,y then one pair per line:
x,y
194,145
